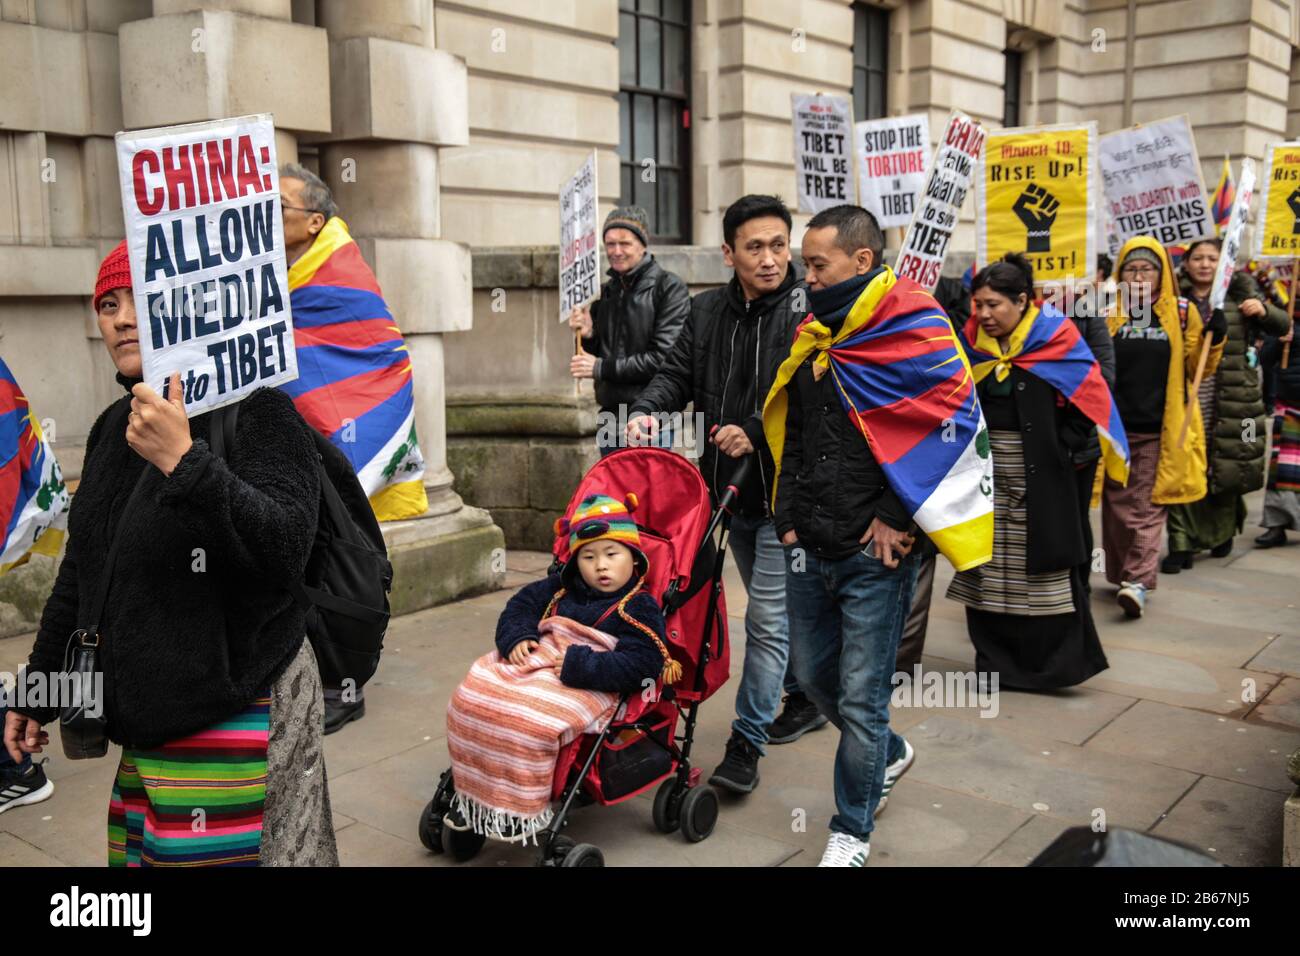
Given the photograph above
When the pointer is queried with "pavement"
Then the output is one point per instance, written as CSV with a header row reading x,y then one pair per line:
x,y
1185,736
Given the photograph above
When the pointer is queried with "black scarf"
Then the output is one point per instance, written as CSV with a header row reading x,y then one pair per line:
x,y
831,305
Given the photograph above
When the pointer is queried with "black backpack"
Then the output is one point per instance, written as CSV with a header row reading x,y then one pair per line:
x,y
345,587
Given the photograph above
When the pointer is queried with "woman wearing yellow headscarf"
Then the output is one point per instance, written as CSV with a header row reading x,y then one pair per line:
x,y
1157,338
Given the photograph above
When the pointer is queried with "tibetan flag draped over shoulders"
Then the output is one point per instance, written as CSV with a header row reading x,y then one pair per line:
x,y
903,380
33,497
1047,344
1225,194
354,372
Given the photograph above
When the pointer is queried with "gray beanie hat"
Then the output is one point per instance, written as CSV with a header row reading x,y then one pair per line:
x,y
1142,254
631,218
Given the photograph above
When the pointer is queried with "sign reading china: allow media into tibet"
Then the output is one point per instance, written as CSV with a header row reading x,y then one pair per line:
x,y
206,243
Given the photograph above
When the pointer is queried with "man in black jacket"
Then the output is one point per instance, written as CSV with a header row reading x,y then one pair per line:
x,y
630,328
724,361
848,542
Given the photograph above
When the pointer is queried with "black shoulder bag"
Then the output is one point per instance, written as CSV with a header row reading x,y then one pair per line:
x,y
83,721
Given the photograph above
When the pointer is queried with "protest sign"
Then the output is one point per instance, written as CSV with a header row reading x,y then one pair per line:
x,y
1277,235
1035,193
823,138
893,157
579,254
1233,234
206,242
1151,175
921,256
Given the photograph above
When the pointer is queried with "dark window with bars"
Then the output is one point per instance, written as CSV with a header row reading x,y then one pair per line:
x,y
654,116
1011,89
870,60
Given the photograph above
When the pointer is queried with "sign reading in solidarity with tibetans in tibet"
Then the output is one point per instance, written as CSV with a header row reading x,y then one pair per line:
x,y
1232,235
206,243
823,144
1035,193
921,256
893,156
1277,235
33,498
579,252
1151,175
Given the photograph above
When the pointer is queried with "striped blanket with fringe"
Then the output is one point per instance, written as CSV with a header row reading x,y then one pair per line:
x,y
506,725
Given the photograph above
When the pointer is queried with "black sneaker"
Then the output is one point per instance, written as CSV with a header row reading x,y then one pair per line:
x,y
338,713
800,716
738,771
19,788
1272,538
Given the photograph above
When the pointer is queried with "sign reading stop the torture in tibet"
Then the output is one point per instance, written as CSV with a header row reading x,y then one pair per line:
x,y
205,238
579,252
1277,234
1151,175
1036,194
893,157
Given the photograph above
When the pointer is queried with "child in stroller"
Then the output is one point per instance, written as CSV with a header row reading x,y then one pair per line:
x,y
567,648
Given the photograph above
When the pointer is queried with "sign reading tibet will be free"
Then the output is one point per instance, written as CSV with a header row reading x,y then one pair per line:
x,y
206,242
893,156
1151,175
579,255
823,143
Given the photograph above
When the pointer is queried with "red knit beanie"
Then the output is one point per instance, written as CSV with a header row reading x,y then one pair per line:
x,y
114,273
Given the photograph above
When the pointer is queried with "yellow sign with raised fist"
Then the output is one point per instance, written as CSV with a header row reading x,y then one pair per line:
x,y
1036,194
1277,234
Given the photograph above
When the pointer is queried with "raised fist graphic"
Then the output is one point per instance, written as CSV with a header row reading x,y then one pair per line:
x,y
1036,208
1293,201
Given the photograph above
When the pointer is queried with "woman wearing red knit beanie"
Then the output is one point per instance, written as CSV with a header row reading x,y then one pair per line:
x,y
203,651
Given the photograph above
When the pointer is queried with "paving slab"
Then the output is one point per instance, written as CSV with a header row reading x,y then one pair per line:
x,y
1281,706
1174,737
71,826
1184,683
16,852
1280,656
1237,824
1031,839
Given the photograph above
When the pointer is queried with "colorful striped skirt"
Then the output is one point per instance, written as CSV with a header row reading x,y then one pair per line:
x,y
1284,463
248,791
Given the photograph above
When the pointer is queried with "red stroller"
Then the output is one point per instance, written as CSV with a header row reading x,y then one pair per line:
x,y
640,746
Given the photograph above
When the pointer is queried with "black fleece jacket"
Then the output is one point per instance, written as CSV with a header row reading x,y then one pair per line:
x,y
198,620
622,670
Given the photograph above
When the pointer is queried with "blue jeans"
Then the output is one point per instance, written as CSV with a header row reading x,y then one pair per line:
x,y
767,637
846,618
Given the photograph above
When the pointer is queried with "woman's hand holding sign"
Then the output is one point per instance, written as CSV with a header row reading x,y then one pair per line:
x,y
158,429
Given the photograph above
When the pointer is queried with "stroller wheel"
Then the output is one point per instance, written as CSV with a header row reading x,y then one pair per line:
x,y
431,827
667,812
584,854
463,844
699,813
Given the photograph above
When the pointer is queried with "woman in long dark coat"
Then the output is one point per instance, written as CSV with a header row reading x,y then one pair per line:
x,y
1027,609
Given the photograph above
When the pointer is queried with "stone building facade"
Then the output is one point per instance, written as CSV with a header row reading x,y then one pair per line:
x,y
445,129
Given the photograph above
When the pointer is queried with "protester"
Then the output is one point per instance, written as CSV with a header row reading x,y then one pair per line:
x,y
203,650
1282,499
566,648
628,331
848,539
724,361
1027,610
354,382
1232,411
1158,337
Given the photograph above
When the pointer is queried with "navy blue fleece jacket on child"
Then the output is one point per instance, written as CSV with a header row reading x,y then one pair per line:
x,y
622,670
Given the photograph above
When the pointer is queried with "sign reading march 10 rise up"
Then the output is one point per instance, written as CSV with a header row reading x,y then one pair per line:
x,y
1277,235
206,243
1151,175
579,255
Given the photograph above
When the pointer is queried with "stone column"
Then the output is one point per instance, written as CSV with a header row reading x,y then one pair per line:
x,y
396,101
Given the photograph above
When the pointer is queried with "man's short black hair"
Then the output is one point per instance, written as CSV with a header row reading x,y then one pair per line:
x,y
752,207
856,229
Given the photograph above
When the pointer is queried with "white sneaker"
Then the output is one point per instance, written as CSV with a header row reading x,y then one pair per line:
x,y
1132,598
894,772
845,850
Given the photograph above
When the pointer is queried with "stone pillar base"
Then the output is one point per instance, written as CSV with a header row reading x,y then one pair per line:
x,y
443,557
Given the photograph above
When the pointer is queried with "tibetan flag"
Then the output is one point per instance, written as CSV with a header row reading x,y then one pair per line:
x,y
33,497
1048,344
902,378
354,372
1225,194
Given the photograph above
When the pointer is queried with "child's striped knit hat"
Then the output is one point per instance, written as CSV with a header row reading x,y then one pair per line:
x,y
600,517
